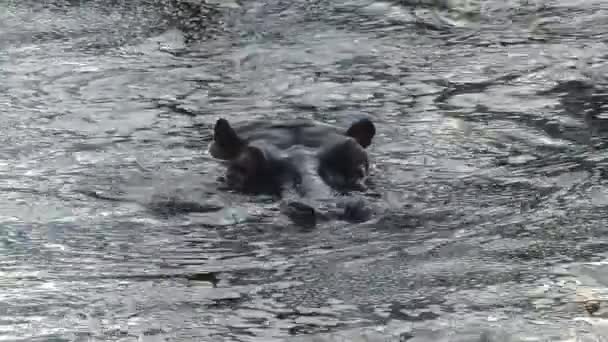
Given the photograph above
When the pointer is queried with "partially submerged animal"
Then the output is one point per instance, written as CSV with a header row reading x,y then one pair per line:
x,y
310,157
341,156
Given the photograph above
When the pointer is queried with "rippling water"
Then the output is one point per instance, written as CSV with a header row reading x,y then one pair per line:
x,y
490,158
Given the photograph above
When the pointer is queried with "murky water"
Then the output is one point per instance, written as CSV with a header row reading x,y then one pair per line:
x,y
490,157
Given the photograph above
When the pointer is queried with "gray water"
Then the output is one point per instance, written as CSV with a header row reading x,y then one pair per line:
x,y
490,160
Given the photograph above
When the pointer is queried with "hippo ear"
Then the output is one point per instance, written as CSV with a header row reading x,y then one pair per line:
x,y
362,131
226,143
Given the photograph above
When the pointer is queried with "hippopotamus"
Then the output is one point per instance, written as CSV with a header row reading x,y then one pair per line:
x,y
257,148
315,159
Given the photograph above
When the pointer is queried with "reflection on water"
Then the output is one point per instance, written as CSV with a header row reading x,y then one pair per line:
x,y
488,162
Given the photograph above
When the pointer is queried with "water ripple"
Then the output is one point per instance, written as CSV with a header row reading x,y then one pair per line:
x,y
488,172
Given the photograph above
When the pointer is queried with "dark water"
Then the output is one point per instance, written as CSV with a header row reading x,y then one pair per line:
x,y
490,158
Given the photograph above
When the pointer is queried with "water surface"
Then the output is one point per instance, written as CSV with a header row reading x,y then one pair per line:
x,y
489,159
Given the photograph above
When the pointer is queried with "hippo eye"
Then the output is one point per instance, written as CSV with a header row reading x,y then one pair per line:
x,y
238,169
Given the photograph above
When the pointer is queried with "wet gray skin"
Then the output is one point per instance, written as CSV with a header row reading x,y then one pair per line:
x,y
489,163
